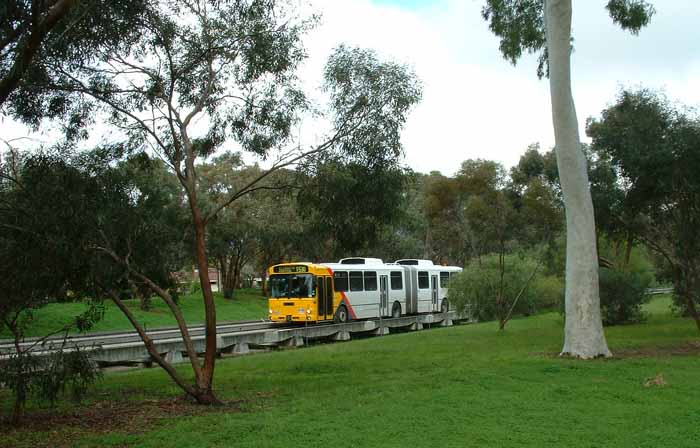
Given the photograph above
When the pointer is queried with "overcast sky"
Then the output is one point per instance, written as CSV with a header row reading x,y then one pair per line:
x,y
477,105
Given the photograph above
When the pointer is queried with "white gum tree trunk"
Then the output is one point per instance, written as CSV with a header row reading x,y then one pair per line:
x,y
583,335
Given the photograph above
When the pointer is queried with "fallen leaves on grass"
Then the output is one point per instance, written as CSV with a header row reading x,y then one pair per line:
x,y
63,428
656,381
691,348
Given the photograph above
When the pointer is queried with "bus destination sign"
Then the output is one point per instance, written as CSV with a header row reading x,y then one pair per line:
x,y
291,269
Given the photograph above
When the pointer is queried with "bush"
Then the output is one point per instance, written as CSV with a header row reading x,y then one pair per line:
x,y
195,287
549,291
48,378
475,290
73,371
622,294
679,300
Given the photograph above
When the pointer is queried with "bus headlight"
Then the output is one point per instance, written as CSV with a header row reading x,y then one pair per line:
x,y
308,311
270,310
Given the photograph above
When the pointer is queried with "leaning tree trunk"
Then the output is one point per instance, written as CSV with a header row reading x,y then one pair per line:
x,y
206,383
583,336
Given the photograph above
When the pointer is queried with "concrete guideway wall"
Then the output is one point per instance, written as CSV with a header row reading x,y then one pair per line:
x,y
240,342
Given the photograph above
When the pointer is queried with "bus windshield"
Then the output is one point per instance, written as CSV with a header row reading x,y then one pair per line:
x,y
292,285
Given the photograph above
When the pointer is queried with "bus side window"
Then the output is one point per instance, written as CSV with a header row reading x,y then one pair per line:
x,y
341,281
423,280
370,281
396,280
356,283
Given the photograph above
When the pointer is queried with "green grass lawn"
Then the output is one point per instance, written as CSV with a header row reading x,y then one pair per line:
x,y
461,386
247,304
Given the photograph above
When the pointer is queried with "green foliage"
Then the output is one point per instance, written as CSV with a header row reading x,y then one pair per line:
x,y
355,190
43,44
652,146
65,370
631,15
486,292
16,374
405,238
372,98
49,377
37,252
622,294
481,210
351,203
520,25
195,287
443,209
91,208
24,373
549,292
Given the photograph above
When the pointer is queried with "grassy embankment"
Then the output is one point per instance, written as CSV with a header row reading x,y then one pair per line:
x,y
452,387
247,304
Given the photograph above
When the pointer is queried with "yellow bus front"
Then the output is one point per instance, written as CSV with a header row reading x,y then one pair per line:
x,y
295,290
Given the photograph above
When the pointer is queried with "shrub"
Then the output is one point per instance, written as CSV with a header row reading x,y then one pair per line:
x,y
66,370
48,378
476,289
549,291
679,299
195,287
622,294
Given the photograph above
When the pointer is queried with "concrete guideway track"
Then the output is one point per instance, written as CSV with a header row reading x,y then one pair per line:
x,y
237,338
123,337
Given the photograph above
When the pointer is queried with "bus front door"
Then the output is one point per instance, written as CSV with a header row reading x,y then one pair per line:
x,y
324,300
328,298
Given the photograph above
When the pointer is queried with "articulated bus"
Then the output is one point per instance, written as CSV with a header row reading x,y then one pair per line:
x,y
357,288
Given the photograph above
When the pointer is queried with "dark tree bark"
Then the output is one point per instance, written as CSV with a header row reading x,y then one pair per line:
x,y
42,22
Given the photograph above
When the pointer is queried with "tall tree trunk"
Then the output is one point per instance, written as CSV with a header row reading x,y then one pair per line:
x,y
583,336
238,268
628,250
207,380
225,273
229,283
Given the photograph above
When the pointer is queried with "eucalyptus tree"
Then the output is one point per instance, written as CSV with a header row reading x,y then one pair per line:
x,y
544,27
232,232
37,35
652,148
202,72
39,262
441,207
348,205
208,73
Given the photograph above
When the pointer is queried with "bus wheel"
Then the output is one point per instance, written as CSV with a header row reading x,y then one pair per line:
x,y
445,306
396,310
341,315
